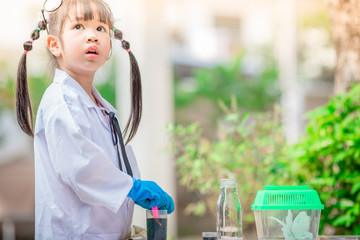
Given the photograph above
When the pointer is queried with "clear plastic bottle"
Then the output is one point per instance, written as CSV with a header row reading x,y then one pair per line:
x,y
228,221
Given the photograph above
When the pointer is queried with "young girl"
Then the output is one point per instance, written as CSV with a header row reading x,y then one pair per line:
x,y
86,180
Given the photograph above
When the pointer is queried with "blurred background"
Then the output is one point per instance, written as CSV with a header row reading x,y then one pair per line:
x,y
226,88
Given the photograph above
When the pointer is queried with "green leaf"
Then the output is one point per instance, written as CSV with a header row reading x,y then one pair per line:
x,y
355,187
322,143
346,203
197,208
341,156
342,220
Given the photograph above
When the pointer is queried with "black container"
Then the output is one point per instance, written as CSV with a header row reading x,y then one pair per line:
x,y
156,228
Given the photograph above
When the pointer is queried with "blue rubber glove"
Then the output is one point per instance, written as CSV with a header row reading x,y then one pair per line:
x,y
148,194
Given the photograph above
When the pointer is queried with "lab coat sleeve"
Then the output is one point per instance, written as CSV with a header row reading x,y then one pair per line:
x,y
81,163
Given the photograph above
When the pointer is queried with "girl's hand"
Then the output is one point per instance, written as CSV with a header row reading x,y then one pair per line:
x,y
148,194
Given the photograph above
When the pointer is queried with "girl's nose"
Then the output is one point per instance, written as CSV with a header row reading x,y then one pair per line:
x,y
92,37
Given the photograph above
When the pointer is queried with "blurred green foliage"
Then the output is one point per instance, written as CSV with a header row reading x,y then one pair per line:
x,y
37,87
252,92
7,95
107,88
252,149
328,158
249,147
318,19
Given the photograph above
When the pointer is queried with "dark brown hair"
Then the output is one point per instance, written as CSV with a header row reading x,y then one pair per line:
x,y
23,105
56,19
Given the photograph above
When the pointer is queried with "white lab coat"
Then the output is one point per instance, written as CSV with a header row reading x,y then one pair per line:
x,y
80,192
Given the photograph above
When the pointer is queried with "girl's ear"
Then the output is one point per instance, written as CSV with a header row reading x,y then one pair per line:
x,y
54,45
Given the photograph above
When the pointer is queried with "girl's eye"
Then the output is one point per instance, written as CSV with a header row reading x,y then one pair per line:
x,y
100,29
78,27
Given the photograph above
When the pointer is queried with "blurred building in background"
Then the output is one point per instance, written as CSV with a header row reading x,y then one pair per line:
x,y
172,38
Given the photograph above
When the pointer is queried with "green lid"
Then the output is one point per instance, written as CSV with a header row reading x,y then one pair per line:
x,y
287,197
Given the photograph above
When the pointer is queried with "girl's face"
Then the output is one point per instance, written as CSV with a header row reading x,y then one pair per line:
x,y
85,45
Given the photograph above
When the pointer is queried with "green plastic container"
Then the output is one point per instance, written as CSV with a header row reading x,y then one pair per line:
x,y
287,212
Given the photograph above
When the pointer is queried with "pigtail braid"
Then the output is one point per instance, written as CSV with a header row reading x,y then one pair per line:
x,y
135,86
24,112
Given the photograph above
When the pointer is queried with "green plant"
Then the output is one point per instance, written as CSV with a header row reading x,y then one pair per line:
x,y
249,148
252,92
7,95
107,88
328,158
6,87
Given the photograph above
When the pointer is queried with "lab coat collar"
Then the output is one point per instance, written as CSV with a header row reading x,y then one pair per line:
x,y
105,105
103,102
61,76
64,78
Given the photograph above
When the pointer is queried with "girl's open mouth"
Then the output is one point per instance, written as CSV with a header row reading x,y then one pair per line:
x,y
92,51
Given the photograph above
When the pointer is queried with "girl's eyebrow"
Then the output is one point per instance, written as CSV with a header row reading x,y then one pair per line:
x,y
77,19
74,19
